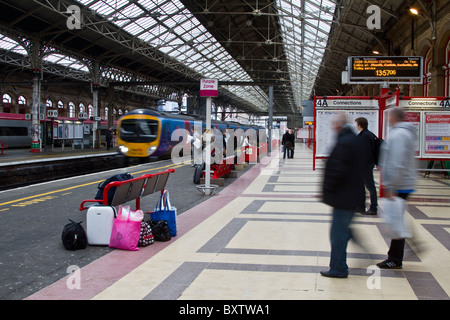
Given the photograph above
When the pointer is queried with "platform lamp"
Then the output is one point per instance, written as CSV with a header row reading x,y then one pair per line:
x,y
429,16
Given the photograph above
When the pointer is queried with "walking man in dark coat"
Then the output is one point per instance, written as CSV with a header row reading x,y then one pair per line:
x,y
343,189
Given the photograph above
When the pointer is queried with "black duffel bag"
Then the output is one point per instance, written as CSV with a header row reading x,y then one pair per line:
x,y
73,236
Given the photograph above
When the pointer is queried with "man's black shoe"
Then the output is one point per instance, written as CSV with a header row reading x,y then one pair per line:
x,y
389,264
369,213
332,275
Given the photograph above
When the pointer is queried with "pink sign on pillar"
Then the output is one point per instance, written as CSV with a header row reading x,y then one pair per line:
x,y
209,88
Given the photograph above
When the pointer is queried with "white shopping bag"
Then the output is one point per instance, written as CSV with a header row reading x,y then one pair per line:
x,y
393,213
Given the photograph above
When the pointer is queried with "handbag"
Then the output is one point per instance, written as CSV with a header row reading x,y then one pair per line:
x,y
160,230
165,212
146,237
393,213
125,233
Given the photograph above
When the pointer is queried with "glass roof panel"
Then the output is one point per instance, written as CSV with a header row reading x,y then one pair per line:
x,y
66,61
305,25
172,29
168,26
11,45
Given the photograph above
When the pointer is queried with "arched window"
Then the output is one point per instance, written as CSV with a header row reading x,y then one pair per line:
x,y
71,109
6,98
81,106
428,61
49,103
106,112
22,100
60,104
447,69
91,110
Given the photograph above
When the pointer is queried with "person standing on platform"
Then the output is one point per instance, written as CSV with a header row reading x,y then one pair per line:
x,y
398,173
291,139
283,143
343,189
109,138
368,144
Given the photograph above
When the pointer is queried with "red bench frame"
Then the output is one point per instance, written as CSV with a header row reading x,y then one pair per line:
x,y
147,180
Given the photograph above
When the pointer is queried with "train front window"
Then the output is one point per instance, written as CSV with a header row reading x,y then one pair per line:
x,y
139,130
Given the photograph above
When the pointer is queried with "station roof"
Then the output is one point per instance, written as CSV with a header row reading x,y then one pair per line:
x,y
174,43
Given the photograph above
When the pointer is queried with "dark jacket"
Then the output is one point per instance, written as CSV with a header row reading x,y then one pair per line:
x,y
343,184
285,135
109,136
291,138
368,145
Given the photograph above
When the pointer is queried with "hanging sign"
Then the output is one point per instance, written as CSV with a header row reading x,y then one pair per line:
x,y
382,68
209,88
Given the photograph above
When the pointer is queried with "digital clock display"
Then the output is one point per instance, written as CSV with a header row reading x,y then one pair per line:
x,y
380,68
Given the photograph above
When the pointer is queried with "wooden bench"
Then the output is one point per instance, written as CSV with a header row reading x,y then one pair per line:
x,y
133,189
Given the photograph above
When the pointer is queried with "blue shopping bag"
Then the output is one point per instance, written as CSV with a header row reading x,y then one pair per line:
x,y
165,211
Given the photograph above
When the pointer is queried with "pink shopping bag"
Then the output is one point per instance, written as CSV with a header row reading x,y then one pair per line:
x,y
125,234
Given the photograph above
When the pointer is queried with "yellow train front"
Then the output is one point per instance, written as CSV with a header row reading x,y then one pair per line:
x,y
145,133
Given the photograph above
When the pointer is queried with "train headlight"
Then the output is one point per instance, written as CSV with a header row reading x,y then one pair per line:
x,y
123,149
151,150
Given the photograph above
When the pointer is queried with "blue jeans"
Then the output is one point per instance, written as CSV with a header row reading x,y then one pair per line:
x,y
340,234
370,185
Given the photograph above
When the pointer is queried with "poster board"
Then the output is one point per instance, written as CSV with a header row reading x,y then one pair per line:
x,y
303,133
436,135
431,117
327,109
413,117
325,135
371,116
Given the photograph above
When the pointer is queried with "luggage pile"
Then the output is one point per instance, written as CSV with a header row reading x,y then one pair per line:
x,y
124,229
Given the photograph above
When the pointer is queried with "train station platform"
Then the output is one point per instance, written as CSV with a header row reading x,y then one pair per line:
x,y
19,167
266,236
24,156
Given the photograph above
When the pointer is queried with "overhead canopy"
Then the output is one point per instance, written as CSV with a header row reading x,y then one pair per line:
x,y
281,43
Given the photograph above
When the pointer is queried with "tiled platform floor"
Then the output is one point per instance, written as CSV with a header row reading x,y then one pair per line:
x,y
266,236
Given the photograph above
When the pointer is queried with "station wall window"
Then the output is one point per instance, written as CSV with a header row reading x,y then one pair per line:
x,y
22,100
49,103
71,109
90,111
6,98
60,104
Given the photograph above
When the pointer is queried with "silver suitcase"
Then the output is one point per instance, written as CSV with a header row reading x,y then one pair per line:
x,y
99,224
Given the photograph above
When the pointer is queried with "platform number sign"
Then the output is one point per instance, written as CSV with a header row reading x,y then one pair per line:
x,y
52,113
321,103
445,104
82,116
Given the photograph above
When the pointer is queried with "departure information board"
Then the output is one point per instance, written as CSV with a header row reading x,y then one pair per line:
x,y
384,68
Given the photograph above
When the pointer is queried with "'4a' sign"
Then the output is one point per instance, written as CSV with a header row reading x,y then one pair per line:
x,y
321,103
445,104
